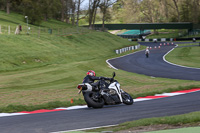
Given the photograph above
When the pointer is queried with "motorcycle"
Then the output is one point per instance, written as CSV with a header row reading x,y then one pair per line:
x,y
147,55
109,93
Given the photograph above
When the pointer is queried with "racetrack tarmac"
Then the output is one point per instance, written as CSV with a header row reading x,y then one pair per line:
x,y
154,65
111,115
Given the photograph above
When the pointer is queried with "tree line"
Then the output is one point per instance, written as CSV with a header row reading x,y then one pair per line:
x,y
39,10
113,11
157,11
65,10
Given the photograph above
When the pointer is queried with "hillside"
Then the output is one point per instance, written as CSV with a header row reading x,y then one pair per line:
x,y
41,67
32,64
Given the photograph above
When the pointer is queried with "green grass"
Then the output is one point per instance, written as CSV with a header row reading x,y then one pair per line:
x,y
164,34
55,104
167,33
185,56
38,70
191,119
49,105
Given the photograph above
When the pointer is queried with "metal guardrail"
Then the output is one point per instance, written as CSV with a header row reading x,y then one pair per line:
x,y
122,50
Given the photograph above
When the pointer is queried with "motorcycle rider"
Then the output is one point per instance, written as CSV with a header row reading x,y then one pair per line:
x,y
91,77
147,52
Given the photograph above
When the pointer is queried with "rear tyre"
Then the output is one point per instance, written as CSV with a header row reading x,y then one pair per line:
x,y
93,100
127,99
147,55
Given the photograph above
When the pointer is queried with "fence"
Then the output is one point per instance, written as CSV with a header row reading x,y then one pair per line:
x,y
38,31
122,50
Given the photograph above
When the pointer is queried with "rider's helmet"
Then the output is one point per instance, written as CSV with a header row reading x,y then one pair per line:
x,y
91,73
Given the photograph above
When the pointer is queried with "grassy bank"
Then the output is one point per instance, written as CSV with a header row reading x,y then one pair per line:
x,y
40,70
178,121
165,33
185,56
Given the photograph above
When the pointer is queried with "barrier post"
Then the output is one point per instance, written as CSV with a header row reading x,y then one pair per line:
x,y
9,29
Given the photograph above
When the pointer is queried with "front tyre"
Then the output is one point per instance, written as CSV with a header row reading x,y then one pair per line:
x,y
93,100
147,55
127,99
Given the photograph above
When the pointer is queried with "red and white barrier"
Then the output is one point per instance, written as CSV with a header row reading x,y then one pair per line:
x,y
85,106
165,95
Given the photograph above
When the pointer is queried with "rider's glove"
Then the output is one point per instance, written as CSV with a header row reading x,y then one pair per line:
x,y
111,80
101,78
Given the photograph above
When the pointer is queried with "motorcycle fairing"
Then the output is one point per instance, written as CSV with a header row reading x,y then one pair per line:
x,y
116,86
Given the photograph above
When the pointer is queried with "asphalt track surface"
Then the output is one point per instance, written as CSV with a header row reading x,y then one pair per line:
x,y
155,65
111,115
86,118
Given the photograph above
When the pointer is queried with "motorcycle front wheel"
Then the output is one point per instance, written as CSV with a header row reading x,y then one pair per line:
x,y
127,99
93,100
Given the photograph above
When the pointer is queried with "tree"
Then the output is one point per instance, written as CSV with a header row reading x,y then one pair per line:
x,y
164,11
68,8
8,3
150,10
62,10
195,11
49,8
177,9
104,5
73,8
118,10
93,5
185,11
33,10
79,2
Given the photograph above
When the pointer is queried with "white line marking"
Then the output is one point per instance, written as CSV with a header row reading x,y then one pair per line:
x,y
176,64
111,65
11,114
119,57
84,129
85,106
169,94
73,107
141,99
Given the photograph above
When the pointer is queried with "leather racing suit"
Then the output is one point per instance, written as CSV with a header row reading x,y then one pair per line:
x,y
95,85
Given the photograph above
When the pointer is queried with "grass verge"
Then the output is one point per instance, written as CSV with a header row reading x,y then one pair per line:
x,y
185,56
190,119
56,104
38,70
49,105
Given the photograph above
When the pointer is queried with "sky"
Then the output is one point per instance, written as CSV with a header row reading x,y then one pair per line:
x,y
84,4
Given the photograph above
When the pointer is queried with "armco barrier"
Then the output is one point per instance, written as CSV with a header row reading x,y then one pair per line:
x,y
167,39
122,50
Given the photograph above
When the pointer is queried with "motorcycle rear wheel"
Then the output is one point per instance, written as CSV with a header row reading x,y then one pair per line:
x,y
92,100
127,99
